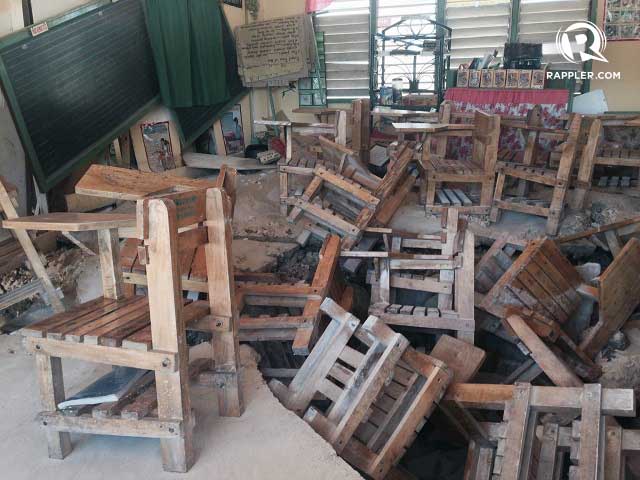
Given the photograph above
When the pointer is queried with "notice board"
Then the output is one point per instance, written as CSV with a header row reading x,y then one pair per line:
x,y
281,50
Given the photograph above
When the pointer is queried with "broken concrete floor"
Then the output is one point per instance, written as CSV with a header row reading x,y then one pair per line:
x,y
267,442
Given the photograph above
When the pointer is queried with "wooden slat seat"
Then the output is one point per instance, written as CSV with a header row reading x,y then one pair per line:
x,y
450,165
103,321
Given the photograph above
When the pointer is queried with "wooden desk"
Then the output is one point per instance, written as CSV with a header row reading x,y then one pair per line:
x,y
322,114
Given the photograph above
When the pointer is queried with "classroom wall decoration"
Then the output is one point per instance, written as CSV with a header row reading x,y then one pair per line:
x,y
157,145
232,132
622,20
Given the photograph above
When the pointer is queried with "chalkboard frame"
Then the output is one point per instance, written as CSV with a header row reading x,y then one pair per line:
x,y
47,181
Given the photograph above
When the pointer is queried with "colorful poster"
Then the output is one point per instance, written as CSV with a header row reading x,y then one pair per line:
x,y
157,145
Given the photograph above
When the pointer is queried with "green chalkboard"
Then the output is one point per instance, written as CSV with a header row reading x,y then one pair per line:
x,y
75,87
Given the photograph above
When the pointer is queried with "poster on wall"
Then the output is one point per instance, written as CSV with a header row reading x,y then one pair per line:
x,y
622,20
235,3
157,145
232,132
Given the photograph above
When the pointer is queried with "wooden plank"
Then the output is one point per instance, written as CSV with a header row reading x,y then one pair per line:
x,y
617,402
125,184
216,162
72,222
51,383
592,434
554,367
619,296
152,360
145,428
167,332
548,452
516,461
112,280
462,358
222,303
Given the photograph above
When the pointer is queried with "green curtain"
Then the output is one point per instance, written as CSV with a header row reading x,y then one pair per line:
x,y
193,53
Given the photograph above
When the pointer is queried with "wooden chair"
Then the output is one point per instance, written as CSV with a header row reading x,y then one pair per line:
x,y
144,333
347,207
379,390
302,148
558,180
256,290
479,168
597,154
522,447
541,279
440,265
42,284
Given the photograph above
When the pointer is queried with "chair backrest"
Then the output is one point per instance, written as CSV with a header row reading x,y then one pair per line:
x,y
176,223
486,139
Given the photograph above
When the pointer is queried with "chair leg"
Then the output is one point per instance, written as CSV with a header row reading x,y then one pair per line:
x,y
50,380
495,211
284,193
555,210
431,193
486,194
173,392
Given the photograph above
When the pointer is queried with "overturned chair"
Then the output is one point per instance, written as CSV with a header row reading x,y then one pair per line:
x,y
147,333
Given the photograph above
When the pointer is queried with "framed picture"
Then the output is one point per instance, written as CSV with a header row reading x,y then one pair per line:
x,y
537,79
524,79
232,132
474,78
499,78
512,78
486,78
463,78
235,3
157,145
622,20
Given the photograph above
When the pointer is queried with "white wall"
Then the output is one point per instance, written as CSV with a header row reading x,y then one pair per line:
x,y
43,9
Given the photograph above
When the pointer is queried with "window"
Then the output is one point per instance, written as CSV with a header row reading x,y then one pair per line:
x,y
479,27
540,20
345,24
407,67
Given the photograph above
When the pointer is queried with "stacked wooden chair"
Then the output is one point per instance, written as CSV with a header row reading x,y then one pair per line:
x,y
528,445
378,390
147,333
42,283
596,153
529,173
441,265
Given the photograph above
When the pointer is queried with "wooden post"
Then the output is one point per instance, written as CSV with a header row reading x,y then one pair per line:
x,y
168,332
587,164
30,251
361,133
112,280
223,305
50,380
